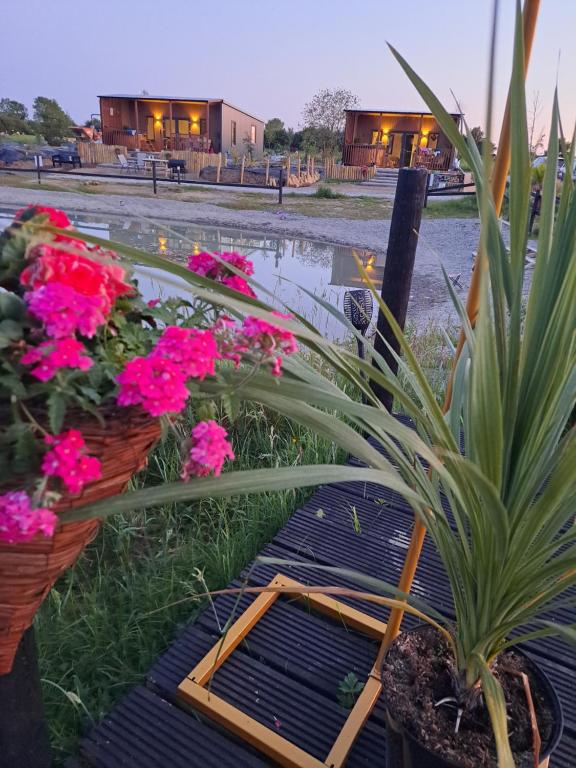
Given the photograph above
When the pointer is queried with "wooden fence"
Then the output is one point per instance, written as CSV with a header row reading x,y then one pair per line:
x,y
195,161
96,154
334,172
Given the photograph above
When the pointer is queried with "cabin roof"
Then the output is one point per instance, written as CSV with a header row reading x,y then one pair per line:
x,y
414,112
152,97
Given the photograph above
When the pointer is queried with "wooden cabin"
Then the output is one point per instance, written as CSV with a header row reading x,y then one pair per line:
x,y
396,140
166,122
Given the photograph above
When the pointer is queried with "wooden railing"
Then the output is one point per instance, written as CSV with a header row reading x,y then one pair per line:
x,y
377,154
140,141
434,160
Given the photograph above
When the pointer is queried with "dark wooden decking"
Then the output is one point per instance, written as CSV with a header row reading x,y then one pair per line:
x,y
286,673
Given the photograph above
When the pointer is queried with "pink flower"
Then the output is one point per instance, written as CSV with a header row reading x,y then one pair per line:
x,y
203,264
269,340
231,344
53,355
67,460
155,383
192,350
206,265
19,521
208,450
153,303
55,217
239,261
64,311
238,284
87,276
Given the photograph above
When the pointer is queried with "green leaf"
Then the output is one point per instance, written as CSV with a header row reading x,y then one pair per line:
x,y
498,716
56,411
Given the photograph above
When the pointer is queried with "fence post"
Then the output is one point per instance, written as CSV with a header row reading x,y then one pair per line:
x,y
428,177
38,164
154,177
280,182
242,169
219,168
400,255
23,732
267,169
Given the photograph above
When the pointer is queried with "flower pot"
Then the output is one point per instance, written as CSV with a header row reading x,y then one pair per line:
x,y
29,569
405,750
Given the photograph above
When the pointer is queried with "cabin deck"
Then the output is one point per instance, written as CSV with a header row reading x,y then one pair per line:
x,y
286,672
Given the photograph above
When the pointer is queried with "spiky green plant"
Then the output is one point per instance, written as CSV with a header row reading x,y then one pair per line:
x,y
508,545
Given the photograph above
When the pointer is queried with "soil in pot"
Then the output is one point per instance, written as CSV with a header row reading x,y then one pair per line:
x,y
419,672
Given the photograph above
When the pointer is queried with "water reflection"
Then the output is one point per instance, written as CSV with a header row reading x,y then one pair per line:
x,y
281,264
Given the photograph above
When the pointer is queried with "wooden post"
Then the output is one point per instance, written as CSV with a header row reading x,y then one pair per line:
x,y
288,166
219,168
23,734
242,169
170,131
299,166
400,255
267,169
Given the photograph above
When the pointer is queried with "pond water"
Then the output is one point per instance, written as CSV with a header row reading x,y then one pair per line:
x,y
281,264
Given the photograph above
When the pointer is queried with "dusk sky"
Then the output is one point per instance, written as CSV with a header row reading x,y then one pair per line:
x,y
270,58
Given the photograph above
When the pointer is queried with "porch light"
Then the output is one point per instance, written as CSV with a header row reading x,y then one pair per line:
x,y
162,244
385,138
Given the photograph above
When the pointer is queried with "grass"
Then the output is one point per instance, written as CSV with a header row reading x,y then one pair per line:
x,y
21,138
108,618
463,207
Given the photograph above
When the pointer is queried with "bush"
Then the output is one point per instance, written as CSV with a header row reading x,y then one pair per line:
x,y
326,193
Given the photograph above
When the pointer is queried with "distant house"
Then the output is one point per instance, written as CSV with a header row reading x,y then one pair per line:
x,y
166,122
396,139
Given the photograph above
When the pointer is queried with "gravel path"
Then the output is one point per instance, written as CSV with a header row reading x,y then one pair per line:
x,y
450,242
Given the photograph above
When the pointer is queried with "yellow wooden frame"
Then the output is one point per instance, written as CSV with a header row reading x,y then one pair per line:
x,y
193,688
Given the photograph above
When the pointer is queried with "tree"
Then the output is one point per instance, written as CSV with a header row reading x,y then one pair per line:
x,y
275,134
93,123
536,135
320,141
478,135
13,117
51,120
327,109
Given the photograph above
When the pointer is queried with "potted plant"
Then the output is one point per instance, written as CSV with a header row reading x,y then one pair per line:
x,y
88,371
500,514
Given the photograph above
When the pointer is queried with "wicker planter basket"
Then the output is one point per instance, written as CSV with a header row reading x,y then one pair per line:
x,y
29,570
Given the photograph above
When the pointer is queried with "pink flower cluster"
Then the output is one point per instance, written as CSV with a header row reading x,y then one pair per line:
x,y
264,341
157,382
208,450
71,292
269,340
20,521
68,461
55,217
64,311
51,356
205,265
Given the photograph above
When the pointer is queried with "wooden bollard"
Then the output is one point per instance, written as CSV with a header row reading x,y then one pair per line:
x,y
267,169
242,169
400,255
23,731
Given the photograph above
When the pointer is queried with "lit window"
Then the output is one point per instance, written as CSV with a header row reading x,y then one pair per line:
x,y
111,111
253,134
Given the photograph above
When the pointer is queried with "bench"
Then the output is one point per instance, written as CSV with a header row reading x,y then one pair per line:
x,y
66,158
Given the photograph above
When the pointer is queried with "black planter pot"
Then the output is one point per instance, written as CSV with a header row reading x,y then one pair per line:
x,y
403,750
